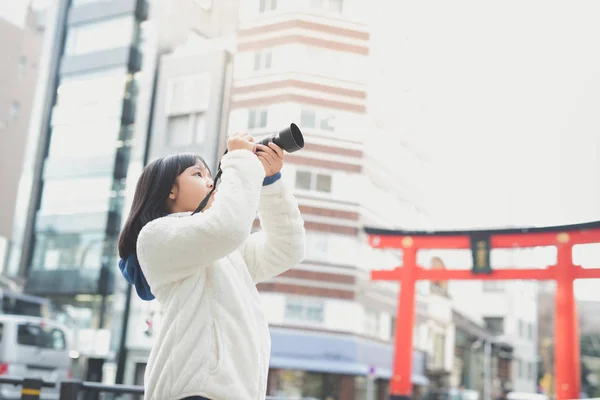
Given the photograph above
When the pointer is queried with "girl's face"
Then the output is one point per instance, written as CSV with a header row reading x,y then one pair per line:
x,y
190,188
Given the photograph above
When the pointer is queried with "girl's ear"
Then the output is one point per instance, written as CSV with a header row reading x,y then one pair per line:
x,y
173,194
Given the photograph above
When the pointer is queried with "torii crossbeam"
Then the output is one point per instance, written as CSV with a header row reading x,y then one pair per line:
x,y
566,348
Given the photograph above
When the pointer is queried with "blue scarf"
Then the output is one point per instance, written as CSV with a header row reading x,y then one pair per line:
x,y
131,270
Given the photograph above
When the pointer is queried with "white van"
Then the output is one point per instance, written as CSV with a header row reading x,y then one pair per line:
x,y
32,347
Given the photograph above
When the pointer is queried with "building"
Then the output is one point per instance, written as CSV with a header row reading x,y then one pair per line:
x,y
307,62
69,206
508,310
472,360
18,75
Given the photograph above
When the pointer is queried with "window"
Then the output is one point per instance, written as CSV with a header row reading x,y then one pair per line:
x,y
493,286
307,180
531,371
317,246
267,5
188,94
22,65
495,325
40,336
185,130
303,180
304,310
519,368
88,140
93,37
257,118
530,331
15,109
330,5
262,60
439,348
92,195
323,183
68,250
317,120
521,329
372,322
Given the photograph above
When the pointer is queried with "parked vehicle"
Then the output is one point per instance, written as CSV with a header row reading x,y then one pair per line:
x,y
32,347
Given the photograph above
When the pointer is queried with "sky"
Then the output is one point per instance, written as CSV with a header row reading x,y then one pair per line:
x,y
503,99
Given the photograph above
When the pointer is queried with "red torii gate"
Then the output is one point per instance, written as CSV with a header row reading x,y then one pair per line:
x,y
566,348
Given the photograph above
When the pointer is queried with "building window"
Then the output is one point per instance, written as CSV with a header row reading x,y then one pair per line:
x,y
188,94
371,322
92,37
257,118
317,246
262,60
531,371
22,65
68,250
335,6
493,286
304,310
519,368
439,349
317,120
306,180
495,325
267,5
185,130
15,109
521,329
530,331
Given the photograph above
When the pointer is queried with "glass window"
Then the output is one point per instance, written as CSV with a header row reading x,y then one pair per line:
x,y
521,329
87,140
495,325
530,331
304,310
262,60
98,36
323,183
68,250
91,89
15,109
188,93
267,5
308,119
439,349
40,336
179,133
303,180
372,322
187,129
257,118
22,64
80,195
336,5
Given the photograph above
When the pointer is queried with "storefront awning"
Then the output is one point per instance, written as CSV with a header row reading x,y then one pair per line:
x,y
337,367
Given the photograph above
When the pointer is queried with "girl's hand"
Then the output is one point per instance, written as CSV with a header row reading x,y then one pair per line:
x,y
271,158
241,141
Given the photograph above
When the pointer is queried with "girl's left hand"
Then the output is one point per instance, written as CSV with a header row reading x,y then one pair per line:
x,y
271,158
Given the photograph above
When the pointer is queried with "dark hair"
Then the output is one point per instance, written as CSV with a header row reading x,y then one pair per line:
x,y
151,194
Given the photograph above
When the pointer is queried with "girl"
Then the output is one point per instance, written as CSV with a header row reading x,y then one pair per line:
x,y
203,268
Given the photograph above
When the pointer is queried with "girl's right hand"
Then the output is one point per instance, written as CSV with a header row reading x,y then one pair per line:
x,y
241,141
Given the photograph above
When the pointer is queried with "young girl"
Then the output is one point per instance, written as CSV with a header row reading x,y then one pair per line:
x,y
203,268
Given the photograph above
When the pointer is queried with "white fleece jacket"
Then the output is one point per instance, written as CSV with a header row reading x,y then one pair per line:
x,y
203,269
